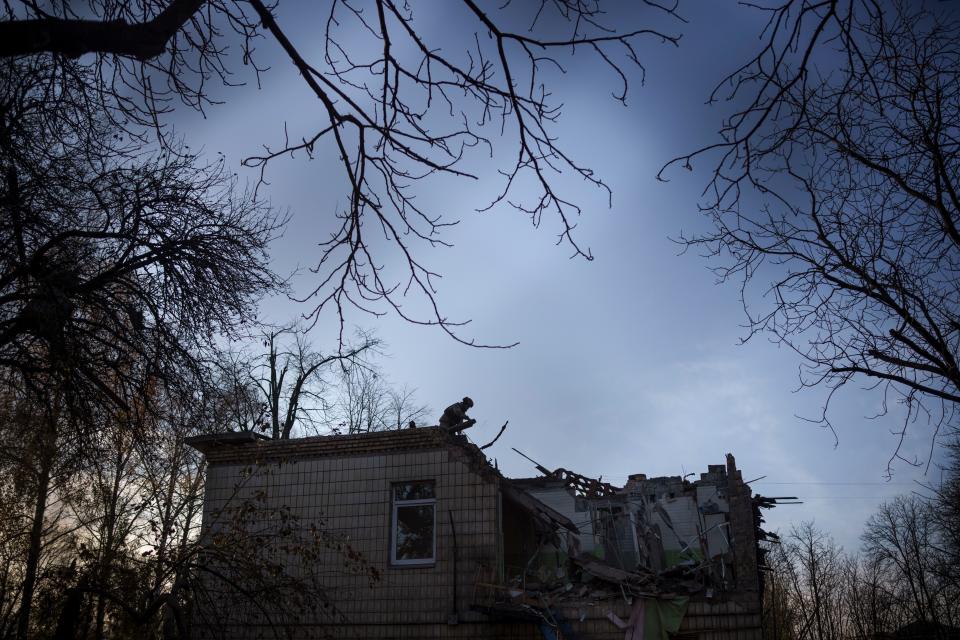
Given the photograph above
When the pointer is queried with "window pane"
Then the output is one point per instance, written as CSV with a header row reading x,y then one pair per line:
x,y
415,532
413,491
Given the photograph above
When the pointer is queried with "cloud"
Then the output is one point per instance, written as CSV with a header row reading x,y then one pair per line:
x,y
714,405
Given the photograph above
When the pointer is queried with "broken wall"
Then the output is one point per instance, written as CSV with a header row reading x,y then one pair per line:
x,y
555,495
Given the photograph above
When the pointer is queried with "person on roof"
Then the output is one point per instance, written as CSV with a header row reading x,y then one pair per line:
x,y
455,416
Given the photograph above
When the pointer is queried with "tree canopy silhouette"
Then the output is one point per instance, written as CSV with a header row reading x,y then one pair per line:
x,y
836,192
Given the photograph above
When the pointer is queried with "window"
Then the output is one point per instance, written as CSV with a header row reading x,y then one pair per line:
x,y
414,533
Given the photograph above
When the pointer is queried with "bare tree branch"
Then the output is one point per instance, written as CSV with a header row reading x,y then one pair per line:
x,y
74,38
833,194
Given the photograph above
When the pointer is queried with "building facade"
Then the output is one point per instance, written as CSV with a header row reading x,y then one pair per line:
x,y
421,537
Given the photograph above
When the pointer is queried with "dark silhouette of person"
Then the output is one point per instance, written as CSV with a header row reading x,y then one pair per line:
x,y
455,416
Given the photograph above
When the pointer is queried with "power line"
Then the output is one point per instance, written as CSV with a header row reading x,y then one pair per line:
x,y
813,482
843,497
822,482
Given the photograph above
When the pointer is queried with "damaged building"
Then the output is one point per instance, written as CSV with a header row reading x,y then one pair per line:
x,y
461,551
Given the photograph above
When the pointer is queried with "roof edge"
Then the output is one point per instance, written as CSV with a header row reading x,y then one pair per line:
x,y
210,441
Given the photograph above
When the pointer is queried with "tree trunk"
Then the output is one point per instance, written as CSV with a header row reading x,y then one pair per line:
x,y
33,555
109,539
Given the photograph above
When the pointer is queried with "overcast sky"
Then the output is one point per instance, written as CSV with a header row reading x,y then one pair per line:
x,y
627,364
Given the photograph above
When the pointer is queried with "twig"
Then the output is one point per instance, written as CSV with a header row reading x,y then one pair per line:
x,y
500,433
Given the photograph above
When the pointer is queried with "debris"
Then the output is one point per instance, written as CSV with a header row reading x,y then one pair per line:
x,y
542,469
592,566
617,620
585,486
654,544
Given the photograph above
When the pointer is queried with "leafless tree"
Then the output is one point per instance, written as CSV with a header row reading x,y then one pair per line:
x,y
903,535
282,390
290,380
291,389
781,617
814,561
366,401
834,195
361,403
946,514
815,590
119,259
239,404
871,606
398,106
121,551
116,505
901,576
403,408
43,453
122,265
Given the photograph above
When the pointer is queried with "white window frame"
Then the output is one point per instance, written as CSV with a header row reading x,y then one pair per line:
x,y
432,502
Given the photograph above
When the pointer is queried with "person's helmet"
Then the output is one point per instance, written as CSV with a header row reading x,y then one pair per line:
x,y
467,401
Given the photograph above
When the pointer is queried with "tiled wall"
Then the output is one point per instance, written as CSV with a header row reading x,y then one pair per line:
x,y
704,620
351,496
